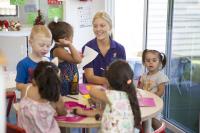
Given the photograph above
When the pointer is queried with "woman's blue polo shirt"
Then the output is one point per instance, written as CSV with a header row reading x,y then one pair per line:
x,y
100,63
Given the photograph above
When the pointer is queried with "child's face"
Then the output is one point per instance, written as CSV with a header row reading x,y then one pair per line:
x,y
40,45
152,62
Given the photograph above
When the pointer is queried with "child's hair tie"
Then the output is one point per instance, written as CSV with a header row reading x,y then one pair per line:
x,y
129,81
49,66
55,19
162,56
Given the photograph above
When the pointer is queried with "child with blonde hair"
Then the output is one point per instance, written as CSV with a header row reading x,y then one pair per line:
x,y
40,42
107,48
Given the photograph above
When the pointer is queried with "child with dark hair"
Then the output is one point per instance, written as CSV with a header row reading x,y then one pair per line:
x,y
62,34
122,113
154,80
41,101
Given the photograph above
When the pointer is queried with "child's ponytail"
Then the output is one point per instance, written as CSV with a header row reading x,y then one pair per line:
x,y
163,59
120,75
47,80
132,95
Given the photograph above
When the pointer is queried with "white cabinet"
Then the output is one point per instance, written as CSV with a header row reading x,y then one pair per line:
x,y
14,44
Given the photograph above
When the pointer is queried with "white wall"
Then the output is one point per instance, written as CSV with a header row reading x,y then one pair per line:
x,y
14,49
129,22
73,16
2,102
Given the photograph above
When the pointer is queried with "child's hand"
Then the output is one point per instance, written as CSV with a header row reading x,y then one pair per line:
x,y
78,111
64,42
91,103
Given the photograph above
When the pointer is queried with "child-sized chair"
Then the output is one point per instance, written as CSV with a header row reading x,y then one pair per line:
x,y
161,126
11,97
10,128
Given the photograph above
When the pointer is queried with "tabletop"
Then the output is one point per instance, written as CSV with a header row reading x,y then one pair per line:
x,y
88,122
150,112
146,112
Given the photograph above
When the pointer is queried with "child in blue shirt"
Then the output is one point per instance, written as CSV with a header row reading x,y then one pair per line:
x,y
40,42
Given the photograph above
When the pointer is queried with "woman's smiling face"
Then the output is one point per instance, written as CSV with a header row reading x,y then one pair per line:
x,y
101,28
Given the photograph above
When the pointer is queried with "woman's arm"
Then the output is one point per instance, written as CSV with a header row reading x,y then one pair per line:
x,y
161,89
91,78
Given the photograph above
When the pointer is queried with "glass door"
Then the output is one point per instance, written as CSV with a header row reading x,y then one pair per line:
x,y
173,27
184,88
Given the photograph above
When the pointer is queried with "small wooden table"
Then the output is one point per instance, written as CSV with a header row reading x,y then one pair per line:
x,y
88,122
147,113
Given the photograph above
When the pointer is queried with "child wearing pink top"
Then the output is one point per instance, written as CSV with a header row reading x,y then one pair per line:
x,y
41,101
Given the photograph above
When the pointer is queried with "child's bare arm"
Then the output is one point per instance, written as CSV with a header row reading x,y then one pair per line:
x,y
140,85
72,57
90,113
99,94
161,89
59,106
21,86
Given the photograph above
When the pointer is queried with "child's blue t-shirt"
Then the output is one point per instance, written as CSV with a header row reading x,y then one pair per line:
x,y
25,70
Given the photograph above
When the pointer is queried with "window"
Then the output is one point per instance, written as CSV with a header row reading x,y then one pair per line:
x,y
128,25
128,30
179,37
157,24
185,65
6,9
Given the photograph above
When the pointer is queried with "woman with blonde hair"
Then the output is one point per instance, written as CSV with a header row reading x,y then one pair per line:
x,y
107,48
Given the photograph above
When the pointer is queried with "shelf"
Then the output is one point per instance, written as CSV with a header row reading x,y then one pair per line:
x,y
24,31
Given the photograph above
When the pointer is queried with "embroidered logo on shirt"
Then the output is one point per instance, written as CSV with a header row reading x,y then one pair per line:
x,y
114,55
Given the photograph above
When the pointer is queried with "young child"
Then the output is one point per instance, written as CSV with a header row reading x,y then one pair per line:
x,y
62,33
154,80
122,112
40,41
41,100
